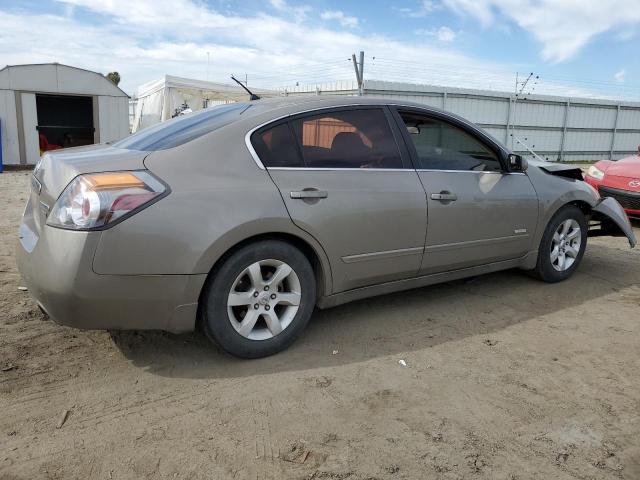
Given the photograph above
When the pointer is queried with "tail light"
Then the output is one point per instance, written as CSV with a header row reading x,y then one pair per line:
x,y
98,200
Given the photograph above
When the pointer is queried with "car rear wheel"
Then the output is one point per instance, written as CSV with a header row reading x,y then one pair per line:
x,y
259,300
562,245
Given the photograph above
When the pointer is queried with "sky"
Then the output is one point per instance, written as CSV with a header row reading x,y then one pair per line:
x,y
574,47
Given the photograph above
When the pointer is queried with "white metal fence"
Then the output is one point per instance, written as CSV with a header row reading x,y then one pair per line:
x,y
556,128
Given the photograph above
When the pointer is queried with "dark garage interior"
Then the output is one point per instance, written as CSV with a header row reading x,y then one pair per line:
x,y
64,121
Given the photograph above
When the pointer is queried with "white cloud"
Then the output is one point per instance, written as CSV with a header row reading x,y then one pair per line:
x,y
341,17
620,75
443,34
563,27
424,8
145,39
299,11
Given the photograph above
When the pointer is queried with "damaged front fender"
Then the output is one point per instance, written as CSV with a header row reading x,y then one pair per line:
x,y
613,220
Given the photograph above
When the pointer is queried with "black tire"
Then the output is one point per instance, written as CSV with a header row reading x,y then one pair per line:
x,y
215,319
545,269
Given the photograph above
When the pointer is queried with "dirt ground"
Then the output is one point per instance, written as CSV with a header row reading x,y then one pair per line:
x,y
505,378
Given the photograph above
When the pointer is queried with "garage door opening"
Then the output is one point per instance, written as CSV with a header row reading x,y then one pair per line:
x,y
64,121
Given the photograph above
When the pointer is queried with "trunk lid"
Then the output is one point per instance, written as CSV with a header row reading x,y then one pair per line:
x,y
57,168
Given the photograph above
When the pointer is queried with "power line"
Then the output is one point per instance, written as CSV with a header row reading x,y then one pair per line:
x,y
485,74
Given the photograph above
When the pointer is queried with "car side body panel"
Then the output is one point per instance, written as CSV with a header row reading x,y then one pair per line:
x,y
148,271
372,223
493,218
556,191
218,199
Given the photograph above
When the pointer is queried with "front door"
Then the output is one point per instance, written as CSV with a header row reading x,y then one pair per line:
x,y
344,181
478,213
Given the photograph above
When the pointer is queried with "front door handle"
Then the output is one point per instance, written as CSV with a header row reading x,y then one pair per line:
x,y
444,196
309,194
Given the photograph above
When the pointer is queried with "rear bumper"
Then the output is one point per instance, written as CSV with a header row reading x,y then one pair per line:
x,y
56,267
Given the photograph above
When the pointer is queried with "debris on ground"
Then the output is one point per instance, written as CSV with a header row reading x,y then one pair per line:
x,y
298,453
335,352
63,418
562,456
324,381
23,289
8,368
402,362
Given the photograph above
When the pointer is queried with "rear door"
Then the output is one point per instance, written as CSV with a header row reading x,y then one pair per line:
x,y
478,212
345,180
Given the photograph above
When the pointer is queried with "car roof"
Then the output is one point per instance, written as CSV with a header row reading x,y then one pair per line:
x,y
301,103
260,112
264,111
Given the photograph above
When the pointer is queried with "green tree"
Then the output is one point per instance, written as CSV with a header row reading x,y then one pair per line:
x,y
114,77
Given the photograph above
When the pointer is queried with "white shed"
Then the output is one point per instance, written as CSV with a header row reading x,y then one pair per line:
x,y
50,106
164,98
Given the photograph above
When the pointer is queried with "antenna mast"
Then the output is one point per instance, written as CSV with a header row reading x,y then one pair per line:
x,y
252,96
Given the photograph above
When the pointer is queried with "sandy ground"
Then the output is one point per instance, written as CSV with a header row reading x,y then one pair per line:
x,y
505,378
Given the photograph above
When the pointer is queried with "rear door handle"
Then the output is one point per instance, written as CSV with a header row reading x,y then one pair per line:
x,y
309,194
444,196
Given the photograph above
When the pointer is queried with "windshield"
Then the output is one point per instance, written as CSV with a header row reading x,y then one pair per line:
x,y
183,129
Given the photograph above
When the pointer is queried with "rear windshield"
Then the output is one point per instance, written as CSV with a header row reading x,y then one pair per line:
x,y
183,129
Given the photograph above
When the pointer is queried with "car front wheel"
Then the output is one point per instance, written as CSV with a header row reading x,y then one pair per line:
x,y
562,245
259,300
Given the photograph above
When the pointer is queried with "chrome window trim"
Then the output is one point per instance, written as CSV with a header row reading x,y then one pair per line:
x,y
254,155
468,171
321,169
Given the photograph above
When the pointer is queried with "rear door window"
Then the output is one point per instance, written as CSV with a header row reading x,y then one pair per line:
x,y
276,147
347,139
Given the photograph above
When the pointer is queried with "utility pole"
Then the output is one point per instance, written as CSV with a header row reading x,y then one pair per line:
x,y
359,69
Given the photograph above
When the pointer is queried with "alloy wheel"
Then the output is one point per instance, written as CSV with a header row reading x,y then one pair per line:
x,y
565,245
264,299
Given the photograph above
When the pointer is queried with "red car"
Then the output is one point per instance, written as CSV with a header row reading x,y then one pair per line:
x,y
620,180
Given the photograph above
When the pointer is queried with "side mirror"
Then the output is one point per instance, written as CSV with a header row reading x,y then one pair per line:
x,y
517,163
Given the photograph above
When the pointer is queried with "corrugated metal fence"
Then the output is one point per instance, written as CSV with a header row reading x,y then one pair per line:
x,y
556,128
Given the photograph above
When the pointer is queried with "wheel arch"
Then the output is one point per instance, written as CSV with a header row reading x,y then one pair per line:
x,y
607,213
586,207
313,252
